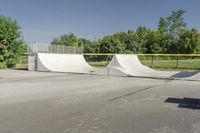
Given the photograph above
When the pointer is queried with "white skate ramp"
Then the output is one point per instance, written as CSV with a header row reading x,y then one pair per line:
x,y
72,63
120,65
130,65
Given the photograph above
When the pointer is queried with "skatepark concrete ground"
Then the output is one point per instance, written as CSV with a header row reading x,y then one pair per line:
x,y
42,102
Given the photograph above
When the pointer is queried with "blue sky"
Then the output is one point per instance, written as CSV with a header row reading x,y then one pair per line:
x,y
42,20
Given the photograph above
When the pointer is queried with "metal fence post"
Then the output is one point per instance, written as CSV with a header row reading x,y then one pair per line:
x,y
74,50
177,63
23,62
152,58
36,47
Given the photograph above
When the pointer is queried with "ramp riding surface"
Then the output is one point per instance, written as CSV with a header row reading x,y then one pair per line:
x,y
120,65
72,63
130,65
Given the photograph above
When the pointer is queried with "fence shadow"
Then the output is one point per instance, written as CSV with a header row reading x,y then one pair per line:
x,y
189,103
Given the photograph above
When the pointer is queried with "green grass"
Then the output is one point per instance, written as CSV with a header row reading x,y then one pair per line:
x,y
193,64
99,64
183,65
159,62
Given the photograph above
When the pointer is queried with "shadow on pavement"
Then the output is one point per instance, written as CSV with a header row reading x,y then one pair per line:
x,y
189,103
185,74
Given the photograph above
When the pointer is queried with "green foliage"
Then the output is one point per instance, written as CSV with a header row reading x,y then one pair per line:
x,y
171,29
67,40
11,42
140,40
72,40
189,42
87,45
110,44
153,44
173,25
171,37
133,42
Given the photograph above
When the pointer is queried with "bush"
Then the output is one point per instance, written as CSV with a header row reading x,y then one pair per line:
x,y
11,42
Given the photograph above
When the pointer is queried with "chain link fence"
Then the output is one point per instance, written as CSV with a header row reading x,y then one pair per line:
x,y
98,60
182,62
34,48
171,62
22,63
161,61
48,48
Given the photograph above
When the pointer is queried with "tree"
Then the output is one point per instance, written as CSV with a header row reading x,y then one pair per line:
x,y
88,46
67,39
109,44
173,25
153,43
171,28
171,37
126,39
11,42
141,38
134,42
72,40
189,42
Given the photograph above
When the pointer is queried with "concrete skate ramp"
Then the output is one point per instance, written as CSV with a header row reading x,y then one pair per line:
x,y
72,63
120,65
130,65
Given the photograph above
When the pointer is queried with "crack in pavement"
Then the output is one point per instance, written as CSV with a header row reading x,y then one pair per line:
x,y
131,93
135,92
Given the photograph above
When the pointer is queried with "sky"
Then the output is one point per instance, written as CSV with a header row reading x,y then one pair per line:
x,y
43,20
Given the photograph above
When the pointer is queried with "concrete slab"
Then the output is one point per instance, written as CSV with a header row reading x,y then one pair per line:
x,y
68,103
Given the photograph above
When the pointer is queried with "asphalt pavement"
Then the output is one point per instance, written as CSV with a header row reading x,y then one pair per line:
x,y
42,102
